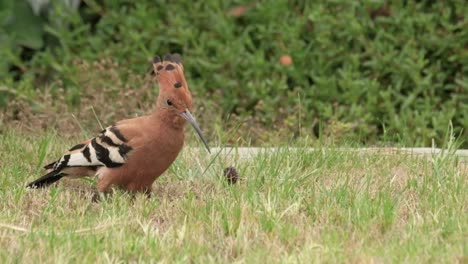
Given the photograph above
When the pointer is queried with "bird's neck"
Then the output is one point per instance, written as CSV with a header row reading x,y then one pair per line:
x,y
169,118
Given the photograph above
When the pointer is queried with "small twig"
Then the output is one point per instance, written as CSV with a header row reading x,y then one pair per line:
x,y
13,227
96,228
78,231
79,125
97,118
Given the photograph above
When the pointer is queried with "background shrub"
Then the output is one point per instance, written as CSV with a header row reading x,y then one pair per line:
x,y
368,70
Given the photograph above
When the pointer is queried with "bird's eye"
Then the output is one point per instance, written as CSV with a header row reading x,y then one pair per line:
x,y
169,102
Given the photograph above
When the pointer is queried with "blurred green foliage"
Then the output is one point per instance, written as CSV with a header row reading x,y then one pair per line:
x,y
380,70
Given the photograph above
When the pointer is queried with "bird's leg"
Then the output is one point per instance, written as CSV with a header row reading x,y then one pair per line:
x,y
100,196
133,188
103,189
133,194
149,193
103,184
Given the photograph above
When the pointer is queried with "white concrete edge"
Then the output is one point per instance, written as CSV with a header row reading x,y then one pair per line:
x,y
252,151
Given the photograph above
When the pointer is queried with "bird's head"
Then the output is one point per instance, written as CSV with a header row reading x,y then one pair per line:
x,y
174,95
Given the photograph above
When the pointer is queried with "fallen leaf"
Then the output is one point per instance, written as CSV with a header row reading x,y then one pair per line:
x,y
238,11
286,60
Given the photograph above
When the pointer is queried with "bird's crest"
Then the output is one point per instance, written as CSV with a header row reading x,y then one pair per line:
x,y
172,84
169,71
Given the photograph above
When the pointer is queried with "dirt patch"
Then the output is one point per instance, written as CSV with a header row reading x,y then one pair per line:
x,y
101,95
98,96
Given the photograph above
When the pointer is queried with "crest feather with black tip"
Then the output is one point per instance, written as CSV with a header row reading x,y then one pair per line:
x,y
170,72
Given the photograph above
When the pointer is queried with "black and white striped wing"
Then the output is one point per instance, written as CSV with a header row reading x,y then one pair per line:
x,y
108,149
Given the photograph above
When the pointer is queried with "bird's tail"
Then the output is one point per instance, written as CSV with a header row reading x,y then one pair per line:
x,y
46,180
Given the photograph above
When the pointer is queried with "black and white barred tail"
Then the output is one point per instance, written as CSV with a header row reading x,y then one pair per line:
x,y
108,149
46,180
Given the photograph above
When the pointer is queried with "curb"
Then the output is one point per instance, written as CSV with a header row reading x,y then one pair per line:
x,y
245,152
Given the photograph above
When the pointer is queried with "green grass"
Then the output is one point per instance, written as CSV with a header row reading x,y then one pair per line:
x,y
291,206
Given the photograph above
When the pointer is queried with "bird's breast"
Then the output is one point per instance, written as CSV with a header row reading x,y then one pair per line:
x,y
150,157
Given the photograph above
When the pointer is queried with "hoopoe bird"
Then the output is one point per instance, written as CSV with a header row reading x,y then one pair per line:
x,y
133,153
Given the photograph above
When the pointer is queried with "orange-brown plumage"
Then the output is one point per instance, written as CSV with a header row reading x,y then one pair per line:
x,y
133,153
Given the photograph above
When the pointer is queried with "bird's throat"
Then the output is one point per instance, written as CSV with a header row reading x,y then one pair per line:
x,y
170,119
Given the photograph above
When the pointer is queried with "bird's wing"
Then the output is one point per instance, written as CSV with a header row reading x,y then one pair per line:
x,y
109,148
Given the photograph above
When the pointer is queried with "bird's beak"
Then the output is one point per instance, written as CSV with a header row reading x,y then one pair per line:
x,y
188,116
